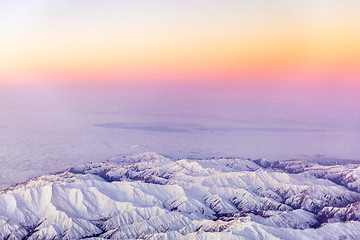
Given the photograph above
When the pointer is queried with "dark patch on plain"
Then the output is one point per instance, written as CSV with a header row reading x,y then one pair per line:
x,y
185,128
144,127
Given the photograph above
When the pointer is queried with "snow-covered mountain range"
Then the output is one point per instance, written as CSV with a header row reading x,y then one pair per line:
x,y
148,196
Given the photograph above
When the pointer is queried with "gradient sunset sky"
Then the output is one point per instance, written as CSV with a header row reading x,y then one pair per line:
x,y
303,41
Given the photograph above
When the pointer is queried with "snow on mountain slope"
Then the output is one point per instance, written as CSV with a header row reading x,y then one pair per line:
x,y
149,196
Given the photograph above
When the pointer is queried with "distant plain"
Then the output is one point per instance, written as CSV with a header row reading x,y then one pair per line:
x,y
48,128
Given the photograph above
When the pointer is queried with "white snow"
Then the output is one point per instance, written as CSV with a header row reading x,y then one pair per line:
x,y
150,196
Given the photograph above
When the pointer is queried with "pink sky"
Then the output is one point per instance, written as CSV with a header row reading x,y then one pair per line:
x,y
218,42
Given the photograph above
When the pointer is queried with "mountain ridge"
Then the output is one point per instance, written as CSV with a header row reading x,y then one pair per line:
x,y
150,196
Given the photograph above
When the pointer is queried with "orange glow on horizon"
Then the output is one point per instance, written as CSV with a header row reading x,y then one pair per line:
x,y
229,47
